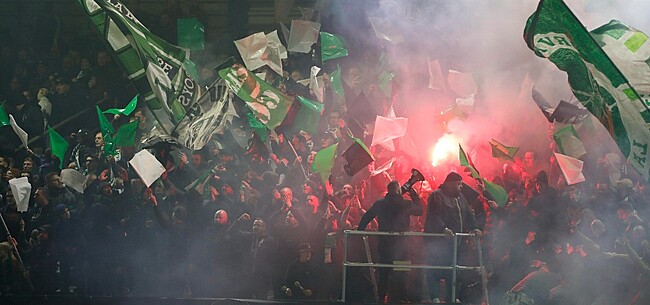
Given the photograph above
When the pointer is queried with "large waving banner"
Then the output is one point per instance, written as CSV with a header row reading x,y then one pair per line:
x,y
160,71
211,114
554,32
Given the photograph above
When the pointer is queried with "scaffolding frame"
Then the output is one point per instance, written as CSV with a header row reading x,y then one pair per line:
x,y
454,267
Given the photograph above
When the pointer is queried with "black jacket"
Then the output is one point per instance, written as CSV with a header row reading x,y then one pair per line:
x,y
392,213
445,211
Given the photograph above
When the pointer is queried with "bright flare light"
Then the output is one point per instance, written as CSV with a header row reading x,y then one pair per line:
x,y
445,149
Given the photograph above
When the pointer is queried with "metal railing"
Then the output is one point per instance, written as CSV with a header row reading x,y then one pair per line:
x,y
454,267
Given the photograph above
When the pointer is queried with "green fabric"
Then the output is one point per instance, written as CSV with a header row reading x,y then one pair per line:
x,y
199,184
107,132
127,110
125,136
156,68
308,116
105,126
568,142
497,192
269,105
554,32
259,128
502,152
385,83
337,82
467,163
324,161
332,46
191,33
4,118
58,144
386,76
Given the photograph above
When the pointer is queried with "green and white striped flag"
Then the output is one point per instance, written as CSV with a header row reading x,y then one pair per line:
x,y
159,70
554,32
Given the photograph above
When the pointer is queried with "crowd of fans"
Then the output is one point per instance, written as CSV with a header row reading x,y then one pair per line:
x,y
263,225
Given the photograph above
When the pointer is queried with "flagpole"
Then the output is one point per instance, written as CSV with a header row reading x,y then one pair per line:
x,y
296,154
20,260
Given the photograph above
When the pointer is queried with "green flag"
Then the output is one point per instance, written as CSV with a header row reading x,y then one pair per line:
x,y
125,136
105,126
502,152
568,142
554,32
324,161
497,192
386,76
58,144
308,116
337,82
191,33
385,83
269,105
107,133
127,110
332,46
157,69
199,184
4,118
259,128
467,163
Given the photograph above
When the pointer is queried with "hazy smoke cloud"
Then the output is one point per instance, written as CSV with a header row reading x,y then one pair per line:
x,y
485,39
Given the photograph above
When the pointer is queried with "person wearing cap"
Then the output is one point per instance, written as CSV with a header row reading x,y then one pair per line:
x,y
448,212
82,149
302,276
393,215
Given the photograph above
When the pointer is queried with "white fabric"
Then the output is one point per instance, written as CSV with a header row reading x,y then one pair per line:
x,y
21,189
147,167
571,168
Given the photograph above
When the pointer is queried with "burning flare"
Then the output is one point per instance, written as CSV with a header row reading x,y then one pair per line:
x,y
446,148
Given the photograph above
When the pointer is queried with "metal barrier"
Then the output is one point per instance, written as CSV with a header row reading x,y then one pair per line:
x,y
454,267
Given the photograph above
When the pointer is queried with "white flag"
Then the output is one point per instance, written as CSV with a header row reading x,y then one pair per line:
x,y
303,35
385,29
74,179
251,49
526,88
147,166
571,168
388,129
461,83
436,80
383,168
19,131
21,189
